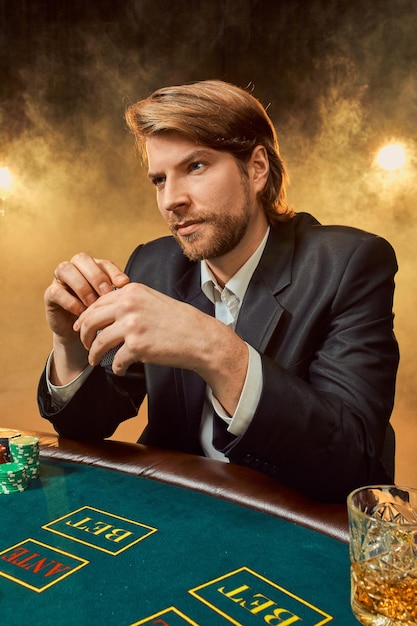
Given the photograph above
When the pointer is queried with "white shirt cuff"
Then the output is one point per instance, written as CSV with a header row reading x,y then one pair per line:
x,y
249,398
62,394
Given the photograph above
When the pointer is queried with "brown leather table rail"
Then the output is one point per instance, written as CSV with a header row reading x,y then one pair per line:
x,y
237,484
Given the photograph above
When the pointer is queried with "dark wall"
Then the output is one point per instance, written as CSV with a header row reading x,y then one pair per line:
x,y
72,58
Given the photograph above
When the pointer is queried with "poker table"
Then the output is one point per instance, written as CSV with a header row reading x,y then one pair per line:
x,y
115,533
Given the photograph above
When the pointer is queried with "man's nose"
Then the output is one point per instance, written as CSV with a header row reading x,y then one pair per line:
x,y
174,195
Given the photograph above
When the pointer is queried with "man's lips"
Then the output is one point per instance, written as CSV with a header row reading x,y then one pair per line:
x,y
187,228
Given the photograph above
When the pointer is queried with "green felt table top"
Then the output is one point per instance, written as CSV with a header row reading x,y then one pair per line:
x,y
85,545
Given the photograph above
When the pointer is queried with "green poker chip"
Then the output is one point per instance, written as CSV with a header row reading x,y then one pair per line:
x,y
13,478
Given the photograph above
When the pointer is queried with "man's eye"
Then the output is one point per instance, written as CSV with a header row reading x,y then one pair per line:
x,y
198,165
158,181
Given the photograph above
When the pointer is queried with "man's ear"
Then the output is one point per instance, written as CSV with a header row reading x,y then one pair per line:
x,y
258,168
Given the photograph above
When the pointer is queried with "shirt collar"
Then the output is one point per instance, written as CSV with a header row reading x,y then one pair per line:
x,y
238,283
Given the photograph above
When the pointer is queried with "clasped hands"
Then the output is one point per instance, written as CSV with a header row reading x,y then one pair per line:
x,y
90,295
151,327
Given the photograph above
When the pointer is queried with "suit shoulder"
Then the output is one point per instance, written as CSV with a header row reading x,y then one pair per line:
x,y
335,246
335,234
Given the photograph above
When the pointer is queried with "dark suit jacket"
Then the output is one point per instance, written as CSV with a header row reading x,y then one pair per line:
x,y
319,311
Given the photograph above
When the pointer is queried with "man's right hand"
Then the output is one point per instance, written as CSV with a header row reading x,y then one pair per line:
x,y
77,284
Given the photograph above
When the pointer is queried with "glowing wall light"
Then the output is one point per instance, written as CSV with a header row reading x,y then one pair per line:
x,y
391,157
6,182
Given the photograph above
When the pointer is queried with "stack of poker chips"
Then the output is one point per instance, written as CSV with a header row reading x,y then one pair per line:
x,y
25,451
13,478
23,464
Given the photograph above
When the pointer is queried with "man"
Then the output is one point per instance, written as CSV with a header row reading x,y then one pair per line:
x,y
260,337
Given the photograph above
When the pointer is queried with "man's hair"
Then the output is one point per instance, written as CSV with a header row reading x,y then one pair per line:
x,y
220,116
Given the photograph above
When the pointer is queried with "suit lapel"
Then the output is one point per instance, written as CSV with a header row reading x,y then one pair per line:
x,y
261,310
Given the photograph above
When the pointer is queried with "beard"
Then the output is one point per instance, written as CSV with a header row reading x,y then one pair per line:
x,y
223,235
226,232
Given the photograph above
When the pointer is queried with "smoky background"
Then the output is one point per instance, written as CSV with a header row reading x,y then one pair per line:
x,y
339,80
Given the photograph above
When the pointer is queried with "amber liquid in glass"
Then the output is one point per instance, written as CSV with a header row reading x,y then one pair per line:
x,y
379,599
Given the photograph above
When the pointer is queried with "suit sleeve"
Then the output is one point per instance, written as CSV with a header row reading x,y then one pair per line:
x,y
320,425
98,407
101,404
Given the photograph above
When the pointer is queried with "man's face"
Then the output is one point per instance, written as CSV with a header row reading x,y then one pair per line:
x,y
209,205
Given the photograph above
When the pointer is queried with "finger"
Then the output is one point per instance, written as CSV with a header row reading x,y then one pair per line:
x,y
117,277
98,315
57,295
94,273
107,339
86,279
123,359
76,283
98,318
104,341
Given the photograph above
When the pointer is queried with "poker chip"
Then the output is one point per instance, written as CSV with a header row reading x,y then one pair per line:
x,y
25,452
13,478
